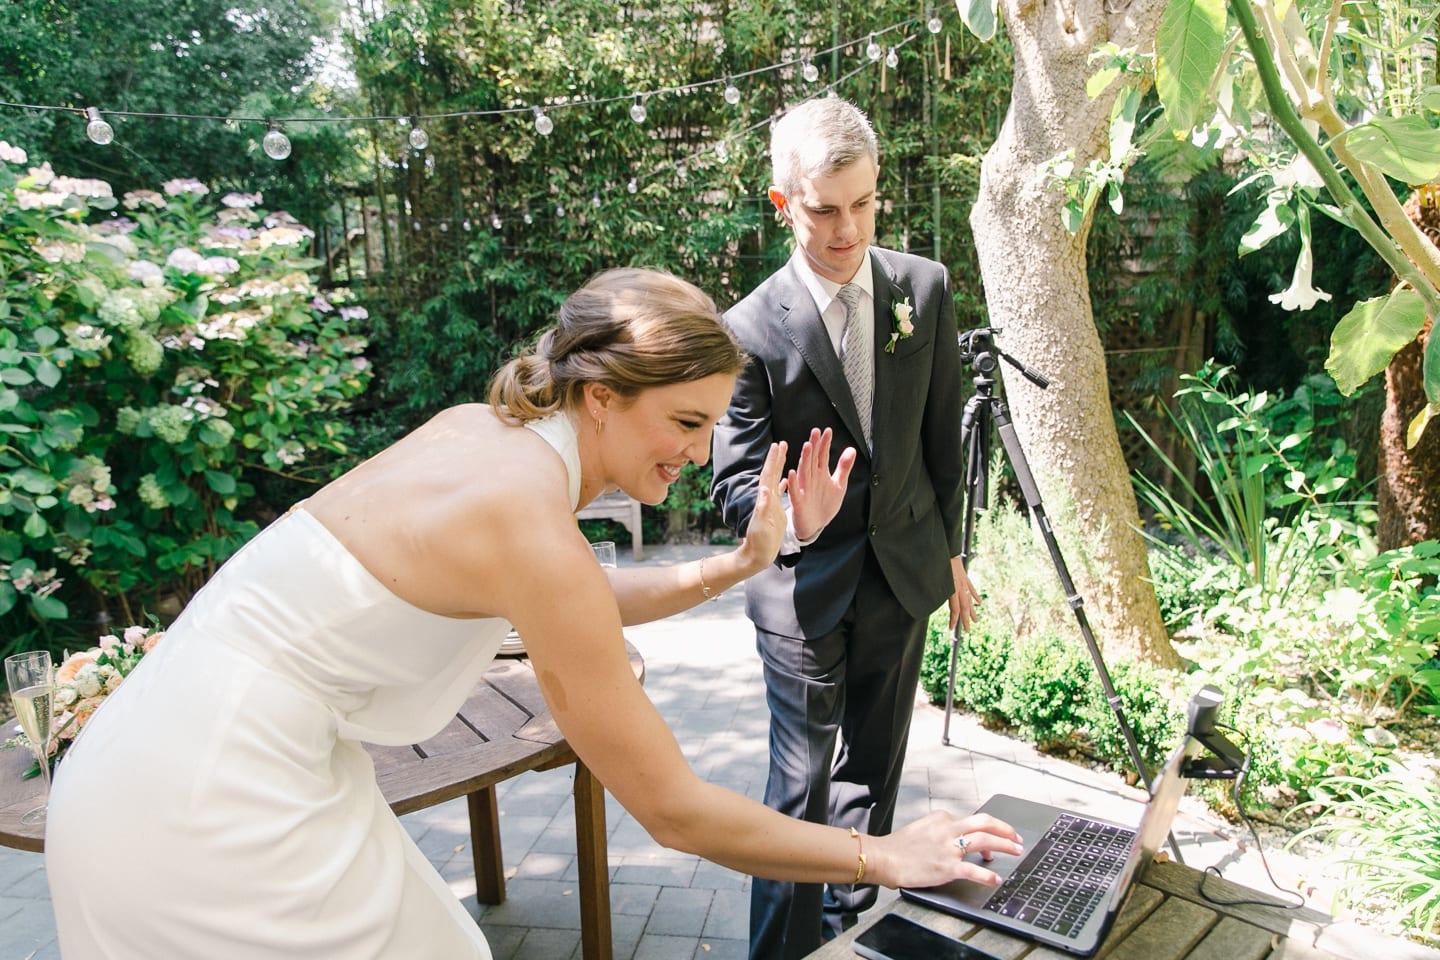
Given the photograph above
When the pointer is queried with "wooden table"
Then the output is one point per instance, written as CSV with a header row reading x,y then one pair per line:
x,y
503,730
1167,919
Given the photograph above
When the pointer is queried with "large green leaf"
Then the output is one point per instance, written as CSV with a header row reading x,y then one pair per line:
x,y
1406,148
979,16
1369,335
1187,55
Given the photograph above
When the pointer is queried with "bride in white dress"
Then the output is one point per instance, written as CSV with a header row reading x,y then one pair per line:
x,y
220,803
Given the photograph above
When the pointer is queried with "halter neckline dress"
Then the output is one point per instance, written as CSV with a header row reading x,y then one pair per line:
x,y
220,804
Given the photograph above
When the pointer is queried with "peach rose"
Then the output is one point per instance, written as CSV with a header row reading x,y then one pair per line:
x,y
72,665
149,642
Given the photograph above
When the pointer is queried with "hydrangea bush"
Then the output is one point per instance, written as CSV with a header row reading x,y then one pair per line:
x,y
155,351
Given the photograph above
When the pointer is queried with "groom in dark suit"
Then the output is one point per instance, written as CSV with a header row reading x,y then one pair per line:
x,y
855,344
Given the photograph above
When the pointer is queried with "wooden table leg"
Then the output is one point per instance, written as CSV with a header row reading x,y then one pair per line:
x,y
596,941
485,846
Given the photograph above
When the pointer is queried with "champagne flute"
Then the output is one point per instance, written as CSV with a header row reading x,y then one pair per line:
x,y
31,679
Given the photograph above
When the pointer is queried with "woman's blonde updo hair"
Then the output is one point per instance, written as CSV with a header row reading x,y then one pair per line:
x,y
629,329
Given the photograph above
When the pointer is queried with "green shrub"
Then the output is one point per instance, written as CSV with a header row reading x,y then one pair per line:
x,y
1151,705
152,365
1045,686
981,655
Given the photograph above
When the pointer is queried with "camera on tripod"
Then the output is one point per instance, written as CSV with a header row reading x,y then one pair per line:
x,y
977,347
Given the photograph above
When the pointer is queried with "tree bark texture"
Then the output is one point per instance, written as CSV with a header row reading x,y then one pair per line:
x,y
1037,292
1407,507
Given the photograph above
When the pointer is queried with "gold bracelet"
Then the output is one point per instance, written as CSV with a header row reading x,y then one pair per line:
x,y
709,594
860,873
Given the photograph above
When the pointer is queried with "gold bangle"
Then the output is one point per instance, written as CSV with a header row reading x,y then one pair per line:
x,y
860,873
704,588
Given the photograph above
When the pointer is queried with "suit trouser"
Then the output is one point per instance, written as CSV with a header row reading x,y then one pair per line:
x,y
857,682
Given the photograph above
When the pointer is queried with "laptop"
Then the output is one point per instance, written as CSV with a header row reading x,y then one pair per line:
x,y
1072,880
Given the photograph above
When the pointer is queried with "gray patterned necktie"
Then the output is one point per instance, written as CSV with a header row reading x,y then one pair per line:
x,y
856,350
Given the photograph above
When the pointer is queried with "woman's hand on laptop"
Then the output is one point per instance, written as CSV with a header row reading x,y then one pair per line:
x,y
942,847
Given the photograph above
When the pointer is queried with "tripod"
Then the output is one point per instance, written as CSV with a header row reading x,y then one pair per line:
x,y
984,409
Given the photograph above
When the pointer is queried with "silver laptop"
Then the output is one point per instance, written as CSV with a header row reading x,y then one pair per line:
x,y
1076,871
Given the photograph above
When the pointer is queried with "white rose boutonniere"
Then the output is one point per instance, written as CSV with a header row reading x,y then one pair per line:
x,y
904,326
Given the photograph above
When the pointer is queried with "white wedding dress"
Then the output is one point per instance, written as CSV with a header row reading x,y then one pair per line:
x,y
220,805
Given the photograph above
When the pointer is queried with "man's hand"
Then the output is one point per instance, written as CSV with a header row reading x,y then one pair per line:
x,y
963,600
816,493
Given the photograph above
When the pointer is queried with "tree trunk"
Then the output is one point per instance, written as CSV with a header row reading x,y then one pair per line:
x,y
1037,292
1407,508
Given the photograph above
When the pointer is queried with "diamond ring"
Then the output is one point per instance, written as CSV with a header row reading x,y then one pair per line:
x,y
962,843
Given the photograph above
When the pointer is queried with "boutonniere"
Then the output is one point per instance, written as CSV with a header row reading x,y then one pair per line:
x,y
904,326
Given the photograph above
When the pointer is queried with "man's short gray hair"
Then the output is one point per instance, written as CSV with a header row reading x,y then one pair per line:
x,y
817,138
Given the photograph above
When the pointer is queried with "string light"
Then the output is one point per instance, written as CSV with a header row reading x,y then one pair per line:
x,y
275,144
892,59
595,200
97,129
933,24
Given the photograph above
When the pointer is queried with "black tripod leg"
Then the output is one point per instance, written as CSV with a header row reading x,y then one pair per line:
x,y
975,440
1031,492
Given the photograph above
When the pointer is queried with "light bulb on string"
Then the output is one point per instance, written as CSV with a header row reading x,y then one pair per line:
x,y
933,24
97,128
543,124
809,71
892,59
595,200
732,92
444,226
495,221
275,144
528,217
872,49
633,186
417,226
637,109
418,138
722,152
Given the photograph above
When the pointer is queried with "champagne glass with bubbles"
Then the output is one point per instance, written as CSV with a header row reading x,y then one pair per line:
x,y
31,679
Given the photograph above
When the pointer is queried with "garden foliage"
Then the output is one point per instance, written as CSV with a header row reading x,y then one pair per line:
x,y
158,352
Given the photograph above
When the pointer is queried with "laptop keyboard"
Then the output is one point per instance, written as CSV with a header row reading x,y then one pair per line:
x,y
1065,877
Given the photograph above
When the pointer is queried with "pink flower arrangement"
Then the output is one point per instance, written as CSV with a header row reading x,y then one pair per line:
x,y
85,678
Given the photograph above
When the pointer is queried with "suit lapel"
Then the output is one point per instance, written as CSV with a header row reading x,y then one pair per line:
x,y
802,324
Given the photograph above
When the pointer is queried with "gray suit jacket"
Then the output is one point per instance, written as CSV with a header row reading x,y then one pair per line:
x,y
905,500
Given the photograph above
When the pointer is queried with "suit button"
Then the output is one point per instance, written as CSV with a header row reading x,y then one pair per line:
x,y
875,480
874,530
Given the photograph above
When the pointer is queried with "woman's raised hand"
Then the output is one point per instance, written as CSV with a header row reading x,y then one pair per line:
x,y
939,848
766,531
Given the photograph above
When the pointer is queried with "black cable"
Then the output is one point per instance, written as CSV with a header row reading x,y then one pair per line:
x,y
1299,901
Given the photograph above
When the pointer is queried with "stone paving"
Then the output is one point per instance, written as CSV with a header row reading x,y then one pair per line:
x,y
703,675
